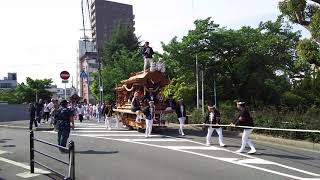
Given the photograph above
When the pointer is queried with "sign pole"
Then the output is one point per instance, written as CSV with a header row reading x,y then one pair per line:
x,y
65,91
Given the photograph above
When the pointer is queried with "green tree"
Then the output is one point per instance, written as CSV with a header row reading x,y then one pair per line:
x,y
307,14
9,96
120,57
245,62
27,92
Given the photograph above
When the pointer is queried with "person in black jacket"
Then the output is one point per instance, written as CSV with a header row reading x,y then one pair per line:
x,y
149,113
39,110
32,114
213,118
182,115
244,119
147,52
65,118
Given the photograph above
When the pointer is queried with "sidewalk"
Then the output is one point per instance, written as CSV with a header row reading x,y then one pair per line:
x,y
24,124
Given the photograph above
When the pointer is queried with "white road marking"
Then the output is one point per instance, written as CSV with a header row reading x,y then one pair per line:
x,y
119,135
193,147
106,131
255,161
24,166
4,152
154,140
230,160
237,161
90,128
27,174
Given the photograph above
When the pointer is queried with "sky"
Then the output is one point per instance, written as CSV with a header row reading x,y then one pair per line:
x,y
40,37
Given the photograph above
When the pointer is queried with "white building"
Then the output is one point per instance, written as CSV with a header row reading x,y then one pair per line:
x,y
9,82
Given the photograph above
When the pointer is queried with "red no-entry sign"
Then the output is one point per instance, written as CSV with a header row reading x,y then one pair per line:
x,y
64,75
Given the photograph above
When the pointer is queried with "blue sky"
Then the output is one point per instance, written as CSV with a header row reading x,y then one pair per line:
x,y
39,37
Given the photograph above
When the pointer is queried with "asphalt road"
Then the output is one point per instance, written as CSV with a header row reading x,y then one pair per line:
x,y
121,154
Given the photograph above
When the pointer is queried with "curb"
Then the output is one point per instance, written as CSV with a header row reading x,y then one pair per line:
x,y
12,126
23,127
305,145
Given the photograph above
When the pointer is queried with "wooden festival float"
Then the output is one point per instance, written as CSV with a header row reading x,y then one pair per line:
x,y
145,83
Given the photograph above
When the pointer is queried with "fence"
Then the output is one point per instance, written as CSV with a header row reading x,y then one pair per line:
x,y
70,163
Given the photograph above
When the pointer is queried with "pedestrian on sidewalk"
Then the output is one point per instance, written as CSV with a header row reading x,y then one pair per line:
x,y
54,111
46,109
80,110
213,119
65,117
39,110
32,115
149,113
98,112
182,115
244,119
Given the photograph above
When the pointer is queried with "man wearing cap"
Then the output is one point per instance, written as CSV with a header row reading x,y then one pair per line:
x,y
244,119
213,118
147,54
182,114
65,117
149,113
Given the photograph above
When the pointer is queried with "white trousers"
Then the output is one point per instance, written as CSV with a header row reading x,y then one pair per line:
x,y
146,61
245,139
149,124
219,132
107,122
117,118
181,121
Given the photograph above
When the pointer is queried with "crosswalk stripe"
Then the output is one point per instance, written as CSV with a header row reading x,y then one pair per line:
x,y
119,135
255,161
106,131
193,147
153,140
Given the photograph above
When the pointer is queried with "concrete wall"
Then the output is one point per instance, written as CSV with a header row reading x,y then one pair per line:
x,y
14,112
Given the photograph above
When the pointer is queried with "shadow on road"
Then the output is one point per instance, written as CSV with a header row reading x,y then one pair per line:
x,y
96,152
4,140
287,156
10,145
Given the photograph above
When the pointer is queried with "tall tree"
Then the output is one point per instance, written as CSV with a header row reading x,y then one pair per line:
x,y
307,14
120,57
244,62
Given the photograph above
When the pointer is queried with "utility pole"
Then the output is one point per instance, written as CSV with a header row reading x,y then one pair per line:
x,y
215,91
202,93
197,79
100,80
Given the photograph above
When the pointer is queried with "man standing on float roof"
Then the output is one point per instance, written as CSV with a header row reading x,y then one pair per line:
x,y
147,54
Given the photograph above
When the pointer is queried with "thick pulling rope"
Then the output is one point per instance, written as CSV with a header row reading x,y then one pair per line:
x,y
261,128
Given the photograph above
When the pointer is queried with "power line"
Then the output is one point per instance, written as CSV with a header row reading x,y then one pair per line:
x,y
41,64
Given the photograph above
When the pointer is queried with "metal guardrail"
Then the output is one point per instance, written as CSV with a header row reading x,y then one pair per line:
x,y
70,163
